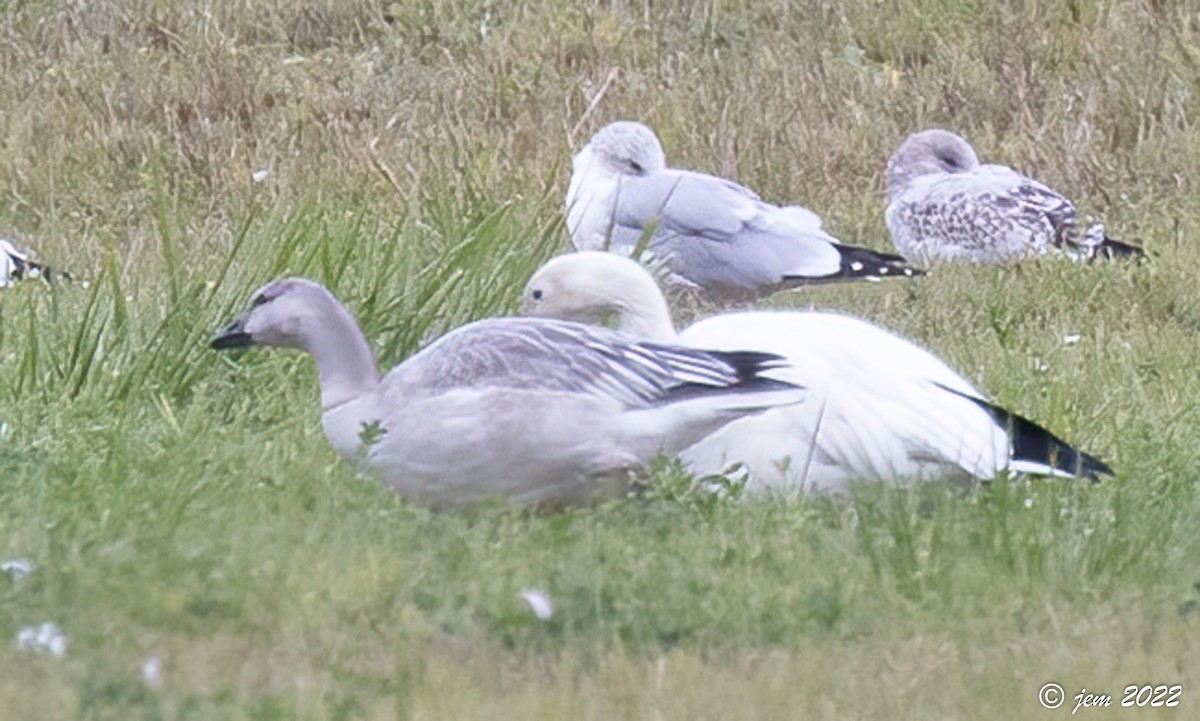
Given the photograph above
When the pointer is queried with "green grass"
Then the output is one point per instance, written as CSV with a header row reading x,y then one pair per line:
x,y
184,505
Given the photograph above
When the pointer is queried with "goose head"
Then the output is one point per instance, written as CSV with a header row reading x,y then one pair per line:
x,y
289,313
599,289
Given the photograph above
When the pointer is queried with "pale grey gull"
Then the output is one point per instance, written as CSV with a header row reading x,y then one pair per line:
x,y
707,232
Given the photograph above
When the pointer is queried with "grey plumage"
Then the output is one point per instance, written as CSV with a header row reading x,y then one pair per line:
x,y
708,232
549,355
526,410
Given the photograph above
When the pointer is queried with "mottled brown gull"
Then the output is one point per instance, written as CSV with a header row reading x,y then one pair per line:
x,y
944,205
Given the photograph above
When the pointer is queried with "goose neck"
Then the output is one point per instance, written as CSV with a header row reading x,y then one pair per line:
x,y
647,318
345,363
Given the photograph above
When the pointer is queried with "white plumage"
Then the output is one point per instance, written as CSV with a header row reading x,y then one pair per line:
x,y
528,410
879,407
943,205
708,232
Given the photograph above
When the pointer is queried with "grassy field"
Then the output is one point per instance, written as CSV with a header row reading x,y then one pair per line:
x,y
183,506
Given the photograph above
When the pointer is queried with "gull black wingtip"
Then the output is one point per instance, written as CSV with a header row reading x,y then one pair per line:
x,y
1113,249
231,336
860,264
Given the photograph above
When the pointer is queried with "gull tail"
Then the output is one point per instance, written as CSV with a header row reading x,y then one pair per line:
x,y
1037,450
861,264
1095,244
16,265
1112,249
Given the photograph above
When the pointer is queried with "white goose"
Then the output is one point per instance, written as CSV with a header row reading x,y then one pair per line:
x,y
708,232
535,411
943,205
879,408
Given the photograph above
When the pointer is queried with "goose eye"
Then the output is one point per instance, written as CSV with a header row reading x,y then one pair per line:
x,y
636,167
536,294
260,299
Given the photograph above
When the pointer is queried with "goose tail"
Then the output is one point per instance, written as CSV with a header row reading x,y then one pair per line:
x,y
1036,450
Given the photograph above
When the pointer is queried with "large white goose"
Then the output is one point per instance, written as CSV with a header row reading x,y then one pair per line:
x,y
535,411
708,232
878,407
943,205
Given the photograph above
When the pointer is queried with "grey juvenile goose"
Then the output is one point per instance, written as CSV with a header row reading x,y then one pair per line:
x,y
535,411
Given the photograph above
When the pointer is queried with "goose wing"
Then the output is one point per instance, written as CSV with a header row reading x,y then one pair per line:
x,y
550,355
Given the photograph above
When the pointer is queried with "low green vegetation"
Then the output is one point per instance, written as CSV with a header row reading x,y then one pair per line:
x,y
182,505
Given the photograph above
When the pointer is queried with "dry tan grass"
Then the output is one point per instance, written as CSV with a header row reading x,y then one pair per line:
x,y
801,100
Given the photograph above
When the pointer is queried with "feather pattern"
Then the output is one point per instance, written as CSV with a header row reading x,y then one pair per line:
x,y
561,356
946,206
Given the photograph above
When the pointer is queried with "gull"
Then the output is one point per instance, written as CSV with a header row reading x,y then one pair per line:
x,y
943,205
707,232
15,265
878,407
539,412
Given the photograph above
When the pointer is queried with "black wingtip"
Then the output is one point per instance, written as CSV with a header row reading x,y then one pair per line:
x,y
23,267
1113,249
46,273
748,366
862,264
1032,443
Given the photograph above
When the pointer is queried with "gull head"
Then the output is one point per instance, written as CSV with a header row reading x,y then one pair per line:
x,y
286,313
599,288
627,148
929,151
